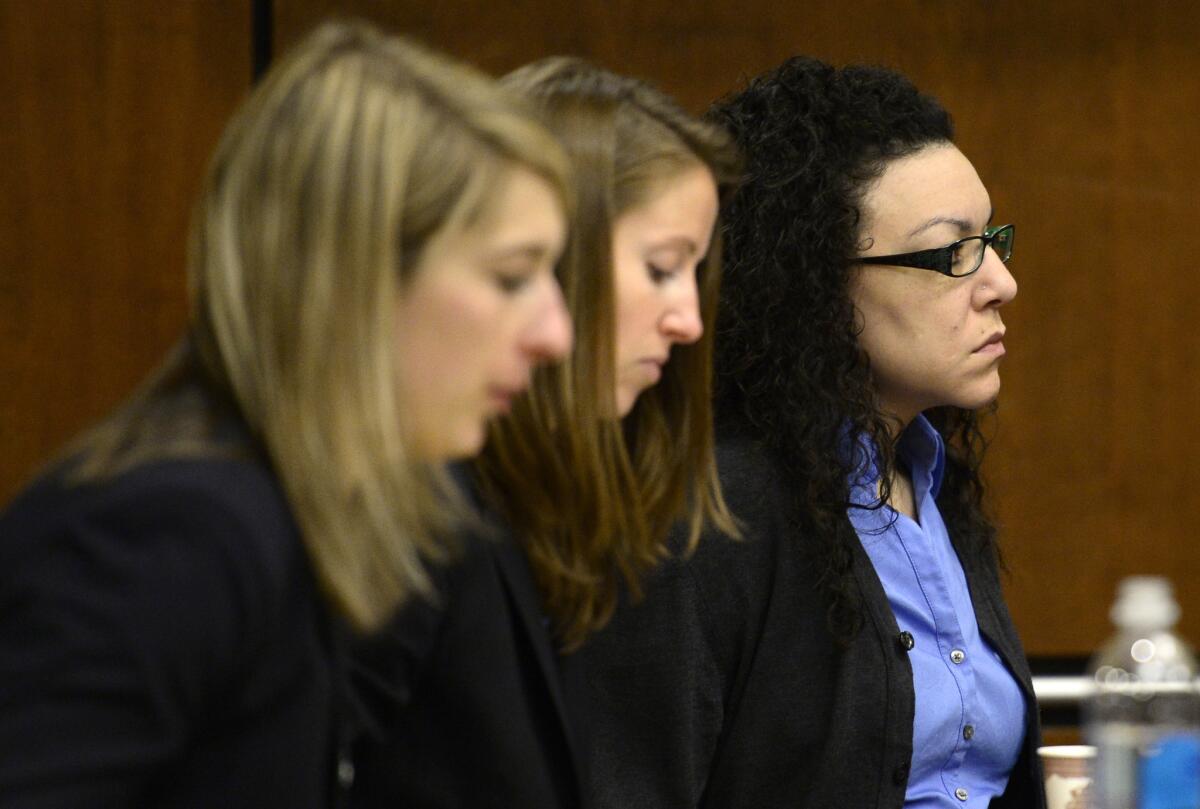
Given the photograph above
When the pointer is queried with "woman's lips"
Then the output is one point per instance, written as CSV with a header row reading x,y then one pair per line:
x,y
653,368
501,397
993,347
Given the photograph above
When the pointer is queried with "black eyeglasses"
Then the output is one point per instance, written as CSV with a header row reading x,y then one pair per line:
x,y
963,257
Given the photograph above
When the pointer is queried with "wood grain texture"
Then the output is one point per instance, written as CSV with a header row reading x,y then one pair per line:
x,y
111,110
1081,120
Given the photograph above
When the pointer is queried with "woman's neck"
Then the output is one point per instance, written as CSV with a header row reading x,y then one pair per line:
x,y
901,496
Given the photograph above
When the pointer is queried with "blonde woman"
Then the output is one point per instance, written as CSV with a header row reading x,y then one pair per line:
x,y
608,449
371,275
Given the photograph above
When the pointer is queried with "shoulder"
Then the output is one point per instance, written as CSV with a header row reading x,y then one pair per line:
x,y
146,615
221,499
231,492
749,474
753,488
712,597
204,545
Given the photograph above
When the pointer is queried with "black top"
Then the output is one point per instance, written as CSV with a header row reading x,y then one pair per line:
x,y
725,688
468,697
162,644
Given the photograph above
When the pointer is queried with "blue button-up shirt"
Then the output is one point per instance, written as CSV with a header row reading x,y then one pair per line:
x,y
970,712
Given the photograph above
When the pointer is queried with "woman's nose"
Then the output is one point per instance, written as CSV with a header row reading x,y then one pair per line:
x,y
549,336
996,284
682,323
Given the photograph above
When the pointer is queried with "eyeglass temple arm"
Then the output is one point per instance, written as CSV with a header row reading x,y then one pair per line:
x,y
937,258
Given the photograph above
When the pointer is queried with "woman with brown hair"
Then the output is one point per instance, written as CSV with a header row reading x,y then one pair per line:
x,y
586,475
175,593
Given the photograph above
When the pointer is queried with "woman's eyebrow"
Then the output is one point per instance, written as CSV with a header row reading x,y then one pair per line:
x,y
532,251
681,244
962,224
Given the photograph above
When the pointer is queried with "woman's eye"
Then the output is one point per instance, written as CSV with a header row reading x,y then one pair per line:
x,y
512,282
657,274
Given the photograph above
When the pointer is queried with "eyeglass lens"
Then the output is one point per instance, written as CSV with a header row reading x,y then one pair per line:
x,y
1002,242
968,256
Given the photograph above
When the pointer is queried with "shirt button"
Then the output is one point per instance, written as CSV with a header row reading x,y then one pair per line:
x,y
961,794
906,641
968,732
345,773
958,656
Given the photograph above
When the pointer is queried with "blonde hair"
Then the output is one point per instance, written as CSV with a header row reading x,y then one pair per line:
x,y
593,498
352,154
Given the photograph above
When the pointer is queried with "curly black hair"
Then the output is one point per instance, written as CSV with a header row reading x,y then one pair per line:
x,y
790,373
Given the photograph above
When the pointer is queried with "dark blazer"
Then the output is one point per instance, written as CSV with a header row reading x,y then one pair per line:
x,y
162,644
468,697
725,688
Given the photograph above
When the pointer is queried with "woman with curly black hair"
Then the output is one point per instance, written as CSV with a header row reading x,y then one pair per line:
x,y
855,650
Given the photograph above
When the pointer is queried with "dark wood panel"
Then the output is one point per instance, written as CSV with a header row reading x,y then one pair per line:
x,y
1081,123
1061,735
111,110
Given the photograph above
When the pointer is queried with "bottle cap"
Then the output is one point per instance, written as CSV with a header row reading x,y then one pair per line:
x,y
1144,602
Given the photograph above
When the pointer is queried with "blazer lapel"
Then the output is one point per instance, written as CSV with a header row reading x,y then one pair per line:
x,y
996,626
523,593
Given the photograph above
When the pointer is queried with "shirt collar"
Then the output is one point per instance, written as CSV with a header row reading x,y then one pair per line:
x,y
921,447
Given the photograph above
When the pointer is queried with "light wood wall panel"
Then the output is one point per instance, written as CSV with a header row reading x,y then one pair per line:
x,y
110,112
1081,119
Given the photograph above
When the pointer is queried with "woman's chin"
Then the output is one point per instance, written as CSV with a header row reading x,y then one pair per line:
x,y
980,396
626,398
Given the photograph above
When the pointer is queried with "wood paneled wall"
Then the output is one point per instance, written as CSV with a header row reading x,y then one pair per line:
x,y
110,112
1080,121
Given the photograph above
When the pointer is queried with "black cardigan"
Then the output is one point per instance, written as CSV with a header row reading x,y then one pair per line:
x,y
162,644
725,689
468,698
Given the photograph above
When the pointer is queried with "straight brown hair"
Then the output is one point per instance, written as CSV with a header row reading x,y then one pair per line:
x,y
592,498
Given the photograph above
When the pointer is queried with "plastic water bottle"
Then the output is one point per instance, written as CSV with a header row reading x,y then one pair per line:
x,y
1144,714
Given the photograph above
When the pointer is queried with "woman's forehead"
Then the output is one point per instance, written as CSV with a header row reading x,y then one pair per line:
x,y
933,189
